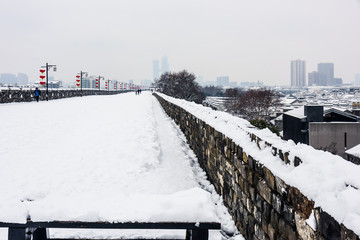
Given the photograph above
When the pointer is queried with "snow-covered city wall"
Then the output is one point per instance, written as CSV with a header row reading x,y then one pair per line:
x,y
256,174
27,95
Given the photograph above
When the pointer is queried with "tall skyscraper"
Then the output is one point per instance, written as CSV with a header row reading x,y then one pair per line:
x,y
298,78
22,79
156,69
164,65
223,81
327,70
314,78
357,80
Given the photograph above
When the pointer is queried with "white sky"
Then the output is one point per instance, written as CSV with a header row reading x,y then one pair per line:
x,y
247,40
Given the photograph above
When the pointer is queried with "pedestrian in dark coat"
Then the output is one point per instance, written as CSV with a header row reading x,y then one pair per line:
x,y
37,93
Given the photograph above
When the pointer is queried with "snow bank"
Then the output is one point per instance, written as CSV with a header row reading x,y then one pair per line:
x,y
332,182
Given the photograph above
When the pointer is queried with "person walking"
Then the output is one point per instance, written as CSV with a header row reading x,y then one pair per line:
x,y
37,93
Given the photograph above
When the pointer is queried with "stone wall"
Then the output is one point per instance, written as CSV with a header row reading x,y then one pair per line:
x,y
262,205
8,96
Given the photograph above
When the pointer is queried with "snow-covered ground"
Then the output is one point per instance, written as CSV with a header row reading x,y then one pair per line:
x,y
332,182
101,158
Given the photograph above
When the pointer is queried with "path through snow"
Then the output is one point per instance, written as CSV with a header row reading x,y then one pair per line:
x,y
100,158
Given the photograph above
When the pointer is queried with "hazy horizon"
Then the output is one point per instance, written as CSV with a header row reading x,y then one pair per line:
x,y
245,40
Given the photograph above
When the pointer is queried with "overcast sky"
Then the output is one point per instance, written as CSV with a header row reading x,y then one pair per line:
x,y
252,40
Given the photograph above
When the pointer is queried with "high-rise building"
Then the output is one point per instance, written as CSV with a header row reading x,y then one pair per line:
x,y
222,81
22,79
164,65
156,69
327,71
298,78
314,78
8,78
357,80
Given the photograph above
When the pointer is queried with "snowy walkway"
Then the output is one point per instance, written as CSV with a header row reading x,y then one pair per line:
x,y
100,158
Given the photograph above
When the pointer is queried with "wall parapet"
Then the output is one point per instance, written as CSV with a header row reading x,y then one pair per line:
x,y
27,95
262,205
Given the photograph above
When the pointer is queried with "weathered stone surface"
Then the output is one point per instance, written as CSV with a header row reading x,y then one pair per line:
x,y
262,205
277,203
264,191
245,158
328,226
304,230
300,203
347,234
281,186
288,213
269,178
271,232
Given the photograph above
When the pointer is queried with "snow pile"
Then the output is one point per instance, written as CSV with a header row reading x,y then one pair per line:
x,y
100,158
355,151
332,182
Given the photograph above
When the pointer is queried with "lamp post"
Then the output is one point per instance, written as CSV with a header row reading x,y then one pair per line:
x,y
81,75
47,67
100,81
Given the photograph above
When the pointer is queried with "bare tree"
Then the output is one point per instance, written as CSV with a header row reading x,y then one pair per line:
x,y
180,85
257,104
231,96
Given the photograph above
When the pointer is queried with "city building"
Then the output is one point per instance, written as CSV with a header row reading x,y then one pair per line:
x,y
8,78
164,65
298,78
156,69
327,71
316,79
357,80
331,129
22,79
222,81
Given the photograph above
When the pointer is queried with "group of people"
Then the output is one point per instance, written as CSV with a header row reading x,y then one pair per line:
x,y
138,92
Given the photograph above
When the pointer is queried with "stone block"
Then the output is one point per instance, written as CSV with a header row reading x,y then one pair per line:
x,y
251,162
264,191
269,178
259,202
259,233
271,232
288,213
303,229
266,211
245,157
347,234
277,203
257,214
264,225
243,169
297,161
259,168
328,226
281,186
300,203
252,194
274,219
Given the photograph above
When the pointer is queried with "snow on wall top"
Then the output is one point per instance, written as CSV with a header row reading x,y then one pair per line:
x,y
332,182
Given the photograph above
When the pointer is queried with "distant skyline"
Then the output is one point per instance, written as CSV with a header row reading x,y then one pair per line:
x,y
249,41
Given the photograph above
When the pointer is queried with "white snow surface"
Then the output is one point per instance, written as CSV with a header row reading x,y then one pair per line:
x,y
332,182
113,158
354,151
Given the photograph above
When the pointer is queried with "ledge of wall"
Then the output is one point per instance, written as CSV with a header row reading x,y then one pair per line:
x,y
8,96
262,205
